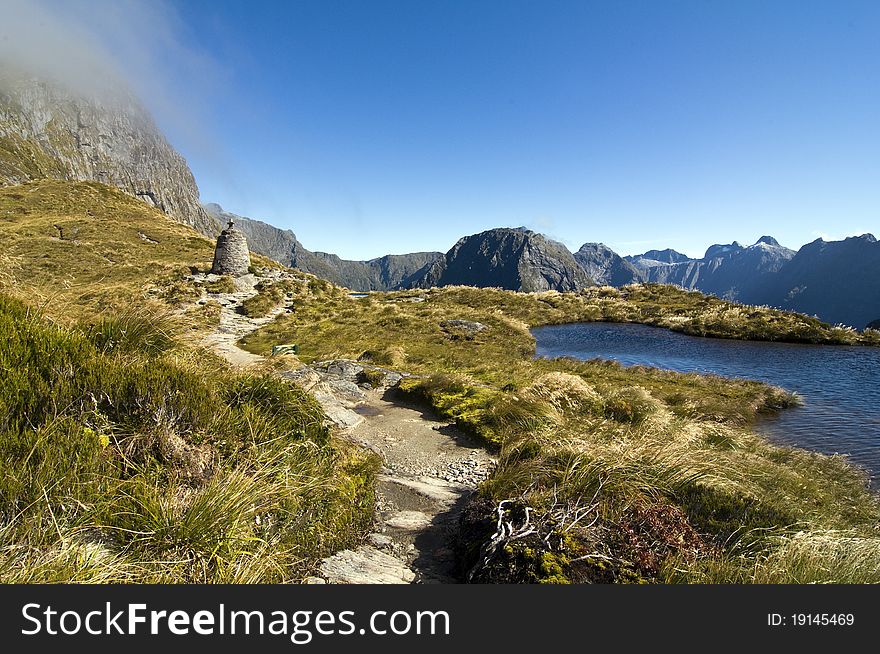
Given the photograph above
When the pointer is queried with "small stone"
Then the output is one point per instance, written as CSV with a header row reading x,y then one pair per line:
x,y
366,565
380,540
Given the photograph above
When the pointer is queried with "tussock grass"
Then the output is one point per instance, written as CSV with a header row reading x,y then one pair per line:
x,y
269,296
123,461
800,557
223,285
136,329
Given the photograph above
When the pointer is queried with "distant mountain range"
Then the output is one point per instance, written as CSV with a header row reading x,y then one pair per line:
x,y
839,281
46,131
733,272
382,274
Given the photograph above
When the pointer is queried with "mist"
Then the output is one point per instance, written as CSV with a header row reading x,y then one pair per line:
x,y
101,49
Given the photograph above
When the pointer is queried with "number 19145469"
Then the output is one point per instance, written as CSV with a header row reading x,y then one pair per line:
x,y
811,620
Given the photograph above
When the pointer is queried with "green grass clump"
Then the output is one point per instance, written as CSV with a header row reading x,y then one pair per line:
x,y
135,329
222,285
124,461
269,296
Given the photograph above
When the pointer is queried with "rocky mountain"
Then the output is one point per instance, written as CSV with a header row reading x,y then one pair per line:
x,y
731,271
47,131
389,272
604,266
512,258
837,280
657,257
268,240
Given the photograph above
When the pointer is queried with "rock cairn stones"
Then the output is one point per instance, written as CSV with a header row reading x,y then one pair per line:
x,y
231,256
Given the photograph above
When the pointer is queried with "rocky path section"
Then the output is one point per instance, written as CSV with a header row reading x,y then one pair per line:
x,y
430,467
234,325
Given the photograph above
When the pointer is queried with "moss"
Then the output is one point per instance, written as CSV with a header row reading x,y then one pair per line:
x,y
373,377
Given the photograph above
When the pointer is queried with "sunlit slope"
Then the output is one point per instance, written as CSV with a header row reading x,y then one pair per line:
x,y
84,245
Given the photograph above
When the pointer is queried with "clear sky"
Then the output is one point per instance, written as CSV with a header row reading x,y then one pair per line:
x,y
370,127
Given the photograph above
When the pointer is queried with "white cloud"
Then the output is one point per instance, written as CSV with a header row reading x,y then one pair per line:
x,y
95,47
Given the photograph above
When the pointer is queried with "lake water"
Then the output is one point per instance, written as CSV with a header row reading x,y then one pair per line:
x,y
840,385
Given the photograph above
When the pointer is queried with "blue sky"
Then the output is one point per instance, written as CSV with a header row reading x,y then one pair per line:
x,y
370,127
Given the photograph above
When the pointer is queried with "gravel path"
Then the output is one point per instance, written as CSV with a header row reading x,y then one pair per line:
x,y
233,325
431,468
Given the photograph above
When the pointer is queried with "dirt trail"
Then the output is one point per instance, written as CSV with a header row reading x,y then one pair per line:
x,y
430,467
234,325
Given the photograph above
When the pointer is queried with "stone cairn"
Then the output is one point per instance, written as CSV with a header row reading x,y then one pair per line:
x,y
231,256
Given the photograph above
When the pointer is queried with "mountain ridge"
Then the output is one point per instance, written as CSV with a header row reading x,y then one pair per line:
x,y
510,258
47,131
388,272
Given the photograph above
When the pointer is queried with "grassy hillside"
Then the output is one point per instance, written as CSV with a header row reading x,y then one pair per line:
x,y
80,248
608,473
84,246
125,454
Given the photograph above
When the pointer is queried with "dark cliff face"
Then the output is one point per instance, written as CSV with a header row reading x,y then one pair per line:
x,y
513,259
604,266
48,132
838,280
392,271
385,273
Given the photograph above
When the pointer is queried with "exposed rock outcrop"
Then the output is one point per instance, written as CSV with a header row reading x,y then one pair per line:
x,y
605,266
733,272
48,131
656,257
839,281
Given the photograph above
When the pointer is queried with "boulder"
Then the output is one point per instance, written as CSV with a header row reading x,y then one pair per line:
x,y
365,565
